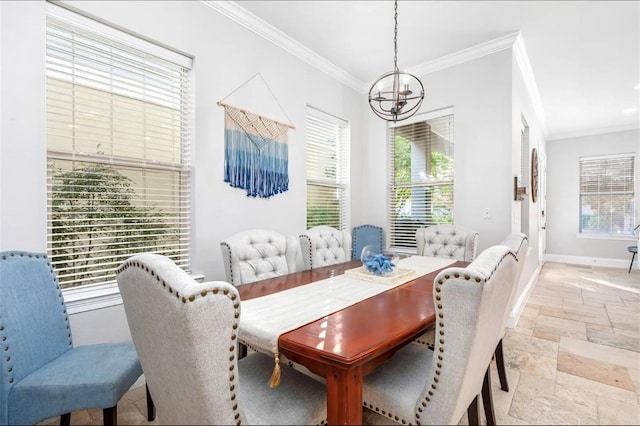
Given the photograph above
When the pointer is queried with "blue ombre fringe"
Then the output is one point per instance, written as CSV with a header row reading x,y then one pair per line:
x,y
256,164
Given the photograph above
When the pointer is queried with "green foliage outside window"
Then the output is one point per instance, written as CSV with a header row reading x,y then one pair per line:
x,y
440,197
96,223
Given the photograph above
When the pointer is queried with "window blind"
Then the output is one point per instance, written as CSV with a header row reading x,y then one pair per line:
x,y
420,178
327,141
118,136
607,199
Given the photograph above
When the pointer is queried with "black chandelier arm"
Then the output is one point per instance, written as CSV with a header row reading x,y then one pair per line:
x,y
401,98
400,112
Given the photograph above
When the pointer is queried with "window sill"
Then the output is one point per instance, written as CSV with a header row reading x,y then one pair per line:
x,y
99,296
614,237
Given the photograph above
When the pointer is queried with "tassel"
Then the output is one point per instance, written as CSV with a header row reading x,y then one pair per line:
x,y
275,376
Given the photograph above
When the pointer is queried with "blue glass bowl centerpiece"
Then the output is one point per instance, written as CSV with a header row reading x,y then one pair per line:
x,y
375,262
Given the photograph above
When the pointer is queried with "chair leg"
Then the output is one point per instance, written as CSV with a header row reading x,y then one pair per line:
x,y
487,398
502,373
631,265
65,419
242,351
151,408
110,416
472,412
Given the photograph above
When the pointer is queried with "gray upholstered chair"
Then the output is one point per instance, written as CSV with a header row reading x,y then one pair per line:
x,y
448,241
418,386
518,243
257,254
42,374
185,333
324,245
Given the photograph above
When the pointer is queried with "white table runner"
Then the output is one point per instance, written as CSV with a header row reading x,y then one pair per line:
x,y
264,319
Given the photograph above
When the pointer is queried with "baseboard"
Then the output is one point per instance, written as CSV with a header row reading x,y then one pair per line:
x,y
591,261
518,307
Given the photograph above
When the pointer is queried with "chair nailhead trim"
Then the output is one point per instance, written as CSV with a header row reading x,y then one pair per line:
x,y
440,344
54,281
383,412
192,298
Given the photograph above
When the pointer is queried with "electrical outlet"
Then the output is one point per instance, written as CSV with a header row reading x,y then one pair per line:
x,y
486,214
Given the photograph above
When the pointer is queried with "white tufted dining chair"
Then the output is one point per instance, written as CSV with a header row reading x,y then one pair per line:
x,y
185,335
518,243
324,245
257,254
448,241
418,386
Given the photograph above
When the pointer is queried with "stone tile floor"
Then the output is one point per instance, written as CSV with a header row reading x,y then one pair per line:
x,y
573,358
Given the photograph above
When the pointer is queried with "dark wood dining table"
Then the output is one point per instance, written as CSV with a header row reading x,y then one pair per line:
x,y
347,345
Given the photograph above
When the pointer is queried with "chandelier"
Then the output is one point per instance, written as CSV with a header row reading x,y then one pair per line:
x,y
396,95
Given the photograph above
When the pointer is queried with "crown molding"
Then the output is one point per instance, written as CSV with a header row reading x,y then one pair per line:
x,y
600,131
466,55
260,27
514,41
522,59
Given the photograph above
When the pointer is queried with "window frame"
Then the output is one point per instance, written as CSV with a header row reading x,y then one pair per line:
x,y
342,131
391,214
609,235
96,296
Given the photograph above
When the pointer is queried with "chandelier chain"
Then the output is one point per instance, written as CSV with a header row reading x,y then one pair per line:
x,y
396,95
395,38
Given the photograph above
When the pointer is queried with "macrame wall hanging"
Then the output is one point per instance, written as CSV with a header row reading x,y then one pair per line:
x,y
256,151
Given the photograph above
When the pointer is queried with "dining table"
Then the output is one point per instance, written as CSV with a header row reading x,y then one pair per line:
x,y
346,345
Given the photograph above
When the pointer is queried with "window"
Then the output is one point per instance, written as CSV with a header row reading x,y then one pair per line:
x,y
327,140
421,178
607,205
118,130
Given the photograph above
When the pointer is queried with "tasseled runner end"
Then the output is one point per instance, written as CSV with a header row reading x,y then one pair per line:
x,y
275,376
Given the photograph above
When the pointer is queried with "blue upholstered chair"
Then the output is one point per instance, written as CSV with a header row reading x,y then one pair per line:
x,y
365,235
42,374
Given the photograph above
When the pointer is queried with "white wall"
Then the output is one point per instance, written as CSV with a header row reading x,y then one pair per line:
x,y
523,107
564,202
22,127
480,93
489,99
225,55
486,95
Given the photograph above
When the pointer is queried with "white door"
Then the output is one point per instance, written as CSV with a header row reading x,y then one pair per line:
x,y
542,206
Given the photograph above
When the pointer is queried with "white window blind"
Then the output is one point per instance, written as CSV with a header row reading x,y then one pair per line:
x,y
327,142
118,134
607,199
420,178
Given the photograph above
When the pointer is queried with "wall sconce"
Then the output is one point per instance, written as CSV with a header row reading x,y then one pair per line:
x,y
518,191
